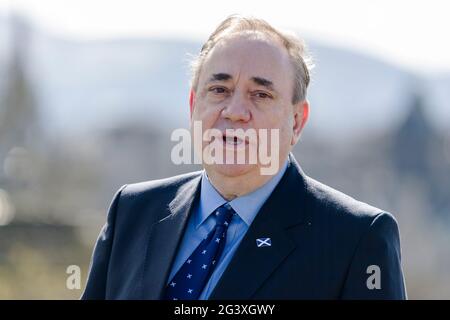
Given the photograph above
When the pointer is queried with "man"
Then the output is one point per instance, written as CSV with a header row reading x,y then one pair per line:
x,y
231,232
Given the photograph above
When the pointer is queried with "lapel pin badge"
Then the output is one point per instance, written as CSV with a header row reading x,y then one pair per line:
x,y
263,242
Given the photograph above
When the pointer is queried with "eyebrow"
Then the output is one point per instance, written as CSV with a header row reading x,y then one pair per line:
x,y
258,80
263,82
220,77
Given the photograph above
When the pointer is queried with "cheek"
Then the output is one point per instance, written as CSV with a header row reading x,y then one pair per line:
x,y
274,117
207,115
285,122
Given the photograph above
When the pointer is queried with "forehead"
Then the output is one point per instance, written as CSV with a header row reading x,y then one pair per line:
x,y
249,55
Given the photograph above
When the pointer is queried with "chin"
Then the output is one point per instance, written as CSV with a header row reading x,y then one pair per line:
x,y
232,170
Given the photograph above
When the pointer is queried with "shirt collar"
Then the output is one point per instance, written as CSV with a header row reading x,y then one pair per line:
x,y
246,206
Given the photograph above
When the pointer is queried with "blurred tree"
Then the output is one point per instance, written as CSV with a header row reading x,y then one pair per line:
x,y
417,151
414,140
19,121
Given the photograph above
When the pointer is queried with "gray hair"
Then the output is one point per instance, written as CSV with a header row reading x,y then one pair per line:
x,y
295,47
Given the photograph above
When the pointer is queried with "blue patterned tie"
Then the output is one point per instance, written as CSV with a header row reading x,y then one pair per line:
x,y
191,278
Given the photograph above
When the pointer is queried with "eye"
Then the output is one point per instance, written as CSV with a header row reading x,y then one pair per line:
x,y
262,95
217,90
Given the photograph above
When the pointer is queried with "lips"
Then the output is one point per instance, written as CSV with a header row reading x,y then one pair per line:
x,y
233,140
236,139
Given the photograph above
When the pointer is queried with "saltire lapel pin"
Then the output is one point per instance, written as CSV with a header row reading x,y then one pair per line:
x,y
263,242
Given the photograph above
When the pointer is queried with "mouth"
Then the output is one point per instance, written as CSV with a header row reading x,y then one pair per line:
x,y
233,140
236,139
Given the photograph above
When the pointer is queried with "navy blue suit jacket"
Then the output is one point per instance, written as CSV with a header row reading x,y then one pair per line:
x,y
323,244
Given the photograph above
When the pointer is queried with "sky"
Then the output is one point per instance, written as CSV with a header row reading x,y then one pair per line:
x,y
412,34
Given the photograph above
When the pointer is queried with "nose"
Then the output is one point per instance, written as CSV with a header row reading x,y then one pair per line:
x,y
237,109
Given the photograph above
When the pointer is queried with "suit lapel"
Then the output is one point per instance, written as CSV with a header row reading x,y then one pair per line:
x,y
164,238
252,265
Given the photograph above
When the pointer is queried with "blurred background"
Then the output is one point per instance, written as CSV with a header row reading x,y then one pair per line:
x,y
90,92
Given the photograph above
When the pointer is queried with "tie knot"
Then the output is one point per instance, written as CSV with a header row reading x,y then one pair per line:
x,y
224,214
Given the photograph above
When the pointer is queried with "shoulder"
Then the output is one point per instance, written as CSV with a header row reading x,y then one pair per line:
x,y
159,185
138,205
350,228
138,199
343,213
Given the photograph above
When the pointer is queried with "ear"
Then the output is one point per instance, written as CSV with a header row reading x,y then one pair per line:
x,y
301,114
191,101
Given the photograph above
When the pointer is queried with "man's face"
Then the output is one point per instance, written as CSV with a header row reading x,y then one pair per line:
x,y
246,82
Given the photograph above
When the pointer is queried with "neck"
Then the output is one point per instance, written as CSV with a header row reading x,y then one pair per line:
x,y
231,187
